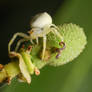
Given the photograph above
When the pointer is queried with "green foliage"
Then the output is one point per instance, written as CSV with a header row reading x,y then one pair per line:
x,y
72,77
74,39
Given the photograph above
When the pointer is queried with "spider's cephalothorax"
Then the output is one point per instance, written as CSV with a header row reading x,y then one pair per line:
x,y
41,25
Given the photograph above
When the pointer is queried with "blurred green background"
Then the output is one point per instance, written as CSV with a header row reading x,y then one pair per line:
x,y
72,77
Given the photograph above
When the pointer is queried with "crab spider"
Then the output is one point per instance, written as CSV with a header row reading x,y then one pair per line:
x,y
41,25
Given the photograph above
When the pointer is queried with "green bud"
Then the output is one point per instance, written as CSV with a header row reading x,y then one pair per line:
x,y
75,41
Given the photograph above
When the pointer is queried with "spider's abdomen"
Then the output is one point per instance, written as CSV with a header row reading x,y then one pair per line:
x,y
40,20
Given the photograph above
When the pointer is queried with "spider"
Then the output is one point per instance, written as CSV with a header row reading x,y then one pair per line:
x,y
41,25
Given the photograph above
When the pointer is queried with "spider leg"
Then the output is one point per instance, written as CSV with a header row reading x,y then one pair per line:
x,y
31,41
59,50
54,31
37,40
18,43
14,37
53,25
44,47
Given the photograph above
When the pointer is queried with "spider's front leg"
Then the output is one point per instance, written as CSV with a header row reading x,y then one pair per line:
x,y
44,47
19,43
13,38
54,31
62,44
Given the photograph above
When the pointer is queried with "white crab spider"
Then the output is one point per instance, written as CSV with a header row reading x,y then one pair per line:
x,y
41,25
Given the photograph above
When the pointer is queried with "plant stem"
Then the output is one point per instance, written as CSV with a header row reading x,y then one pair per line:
x,y
9,71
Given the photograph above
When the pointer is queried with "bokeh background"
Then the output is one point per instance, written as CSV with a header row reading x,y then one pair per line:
x,y
76,76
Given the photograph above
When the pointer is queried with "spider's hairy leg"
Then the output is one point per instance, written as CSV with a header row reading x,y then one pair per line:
x,y
14,37
44,47
19,43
